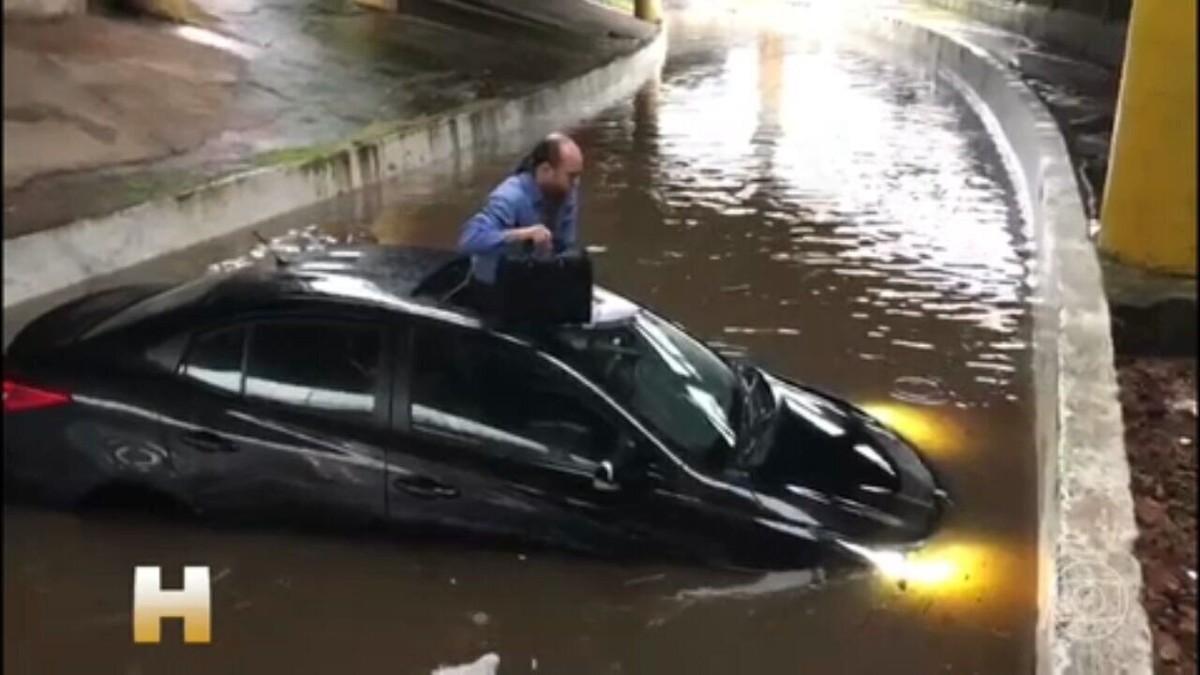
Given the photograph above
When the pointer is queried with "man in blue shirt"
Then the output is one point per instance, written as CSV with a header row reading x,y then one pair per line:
x,y
537,206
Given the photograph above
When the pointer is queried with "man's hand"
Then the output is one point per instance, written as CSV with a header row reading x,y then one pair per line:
x,y
539,235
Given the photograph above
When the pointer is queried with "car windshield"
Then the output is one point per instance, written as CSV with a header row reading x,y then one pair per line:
x,y
665,378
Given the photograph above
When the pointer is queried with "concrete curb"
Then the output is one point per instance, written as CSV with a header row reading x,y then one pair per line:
x,y
41,264
1090,617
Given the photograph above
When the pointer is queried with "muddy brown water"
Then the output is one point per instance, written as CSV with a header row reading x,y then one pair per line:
x,y
847,220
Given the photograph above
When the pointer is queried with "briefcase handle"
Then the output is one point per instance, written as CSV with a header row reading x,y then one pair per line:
x,y
528,252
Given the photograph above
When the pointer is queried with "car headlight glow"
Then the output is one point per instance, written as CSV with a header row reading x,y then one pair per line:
x,y
945,570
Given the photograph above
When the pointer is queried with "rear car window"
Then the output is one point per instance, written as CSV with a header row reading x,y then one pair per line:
x,y
215,358
158,303
322,366
68,321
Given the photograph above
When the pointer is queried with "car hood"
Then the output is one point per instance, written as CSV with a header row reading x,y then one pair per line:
x,y
827,466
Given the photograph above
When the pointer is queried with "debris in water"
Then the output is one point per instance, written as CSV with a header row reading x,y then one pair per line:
x,y
1184,405
642,580
480,618
771,583
920,390
911,344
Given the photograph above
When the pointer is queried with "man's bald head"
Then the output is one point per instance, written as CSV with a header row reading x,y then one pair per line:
x,y
556,163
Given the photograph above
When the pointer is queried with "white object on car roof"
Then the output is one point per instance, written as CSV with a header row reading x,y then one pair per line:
x,y
609,308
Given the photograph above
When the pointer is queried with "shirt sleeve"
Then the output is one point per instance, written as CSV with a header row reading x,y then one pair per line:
x,y
484,232
568,234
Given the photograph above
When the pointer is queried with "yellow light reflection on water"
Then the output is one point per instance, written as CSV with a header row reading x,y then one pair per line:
x,y
934,434
953,569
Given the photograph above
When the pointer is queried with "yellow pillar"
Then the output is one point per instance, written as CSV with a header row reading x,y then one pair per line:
x,y
1149,214
648,10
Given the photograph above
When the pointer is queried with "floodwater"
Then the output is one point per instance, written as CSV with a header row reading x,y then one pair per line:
x,y
847,220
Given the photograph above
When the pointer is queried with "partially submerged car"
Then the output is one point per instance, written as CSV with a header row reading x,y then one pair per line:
x,y
347,387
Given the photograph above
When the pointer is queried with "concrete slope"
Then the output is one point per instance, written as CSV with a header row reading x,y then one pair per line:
x,y
85,92
281,80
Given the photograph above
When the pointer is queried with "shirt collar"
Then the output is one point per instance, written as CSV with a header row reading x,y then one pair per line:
x,y
529,184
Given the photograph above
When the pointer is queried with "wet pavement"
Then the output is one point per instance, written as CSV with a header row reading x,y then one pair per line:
x,y
848,221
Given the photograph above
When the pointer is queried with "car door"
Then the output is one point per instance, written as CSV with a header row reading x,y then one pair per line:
x,y
426,486
286,419
525,439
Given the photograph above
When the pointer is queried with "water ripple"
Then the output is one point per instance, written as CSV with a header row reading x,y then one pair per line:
x,y
795,163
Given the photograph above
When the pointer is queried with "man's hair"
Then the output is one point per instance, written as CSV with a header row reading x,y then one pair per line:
x,y
548,150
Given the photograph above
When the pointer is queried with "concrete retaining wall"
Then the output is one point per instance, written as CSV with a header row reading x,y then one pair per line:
x,y
1092,31
1090,617
42,264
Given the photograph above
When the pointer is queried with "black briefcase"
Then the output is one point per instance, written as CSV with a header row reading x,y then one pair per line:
x,y
544,290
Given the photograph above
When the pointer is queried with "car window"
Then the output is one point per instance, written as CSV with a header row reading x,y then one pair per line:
x,y
477,385
326,367
215,358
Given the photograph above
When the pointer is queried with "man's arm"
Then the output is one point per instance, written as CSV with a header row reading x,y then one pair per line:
x,y
568,232
485,231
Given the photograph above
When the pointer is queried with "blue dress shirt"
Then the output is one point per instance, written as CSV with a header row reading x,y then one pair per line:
x,y
516,202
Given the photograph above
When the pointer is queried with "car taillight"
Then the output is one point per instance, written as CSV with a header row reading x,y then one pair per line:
x,y
20,397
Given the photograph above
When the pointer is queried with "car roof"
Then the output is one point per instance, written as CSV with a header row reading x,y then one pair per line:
x,y
398,270
396,278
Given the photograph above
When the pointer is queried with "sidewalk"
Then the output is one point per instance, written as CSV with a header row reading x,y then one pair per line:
x,y
102,114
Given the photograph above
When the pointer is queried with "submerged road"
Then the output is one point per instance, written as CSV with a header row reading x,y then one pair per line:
x,y
847,220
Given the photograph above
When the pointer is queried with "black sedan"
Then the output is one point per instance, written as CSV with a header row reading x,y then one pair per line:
x,y
348,388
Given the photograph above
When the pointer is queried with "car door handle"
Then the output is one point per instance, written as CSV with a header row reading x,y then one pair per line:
x,y
425,488
207,441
